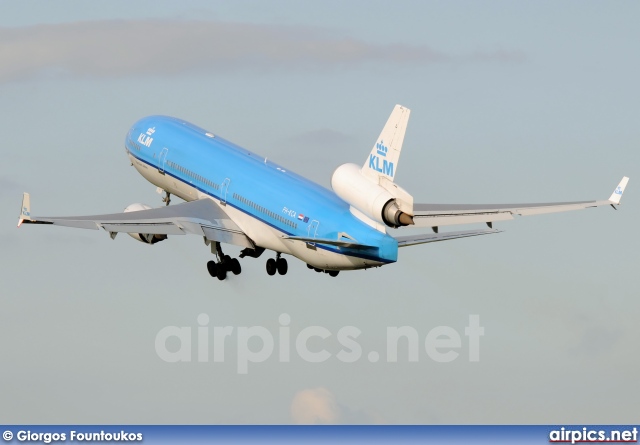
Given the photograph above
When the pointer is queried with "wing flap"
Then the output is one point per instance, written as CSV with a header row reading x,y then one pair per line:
x,y
228,236
411,240
159,228
449,219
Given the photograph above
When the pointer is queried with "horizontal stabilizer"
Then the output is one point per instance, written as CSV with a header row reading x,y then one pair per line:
x,y
410,240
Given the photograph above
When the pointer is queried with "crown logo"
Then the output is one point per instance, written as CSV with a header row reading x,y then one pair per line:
x,y
150,131
382,149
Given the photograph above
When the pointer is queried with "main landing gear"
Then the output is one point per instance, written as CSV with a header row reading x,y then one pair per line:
x,y
278,264
332,273
225,264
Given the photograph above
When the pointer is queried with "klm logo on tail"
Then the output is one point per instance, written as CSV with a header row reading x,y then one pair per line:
x,y
374,161
382,149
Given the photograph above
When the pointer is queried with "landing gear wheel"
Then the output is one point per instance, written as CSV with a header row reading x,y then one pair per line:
x,y
317,270
271,266
282,266
334,273
222,273
212,267
235,266
309,266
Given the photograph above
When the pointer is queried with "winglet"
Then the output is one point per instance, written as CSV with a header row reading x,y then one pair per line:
x,y
25,210
617,193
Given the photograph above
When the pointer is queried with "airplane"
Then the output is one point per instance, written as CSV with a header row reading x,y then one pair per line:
x,y
234,196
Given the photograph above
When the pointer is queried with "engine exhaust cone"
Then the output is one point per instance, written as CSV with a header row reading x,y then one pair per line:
x,y
405,220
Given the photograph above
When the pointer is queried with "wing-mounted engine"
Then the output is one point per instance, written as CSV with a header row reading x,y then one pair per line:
x,y
385,202
147,238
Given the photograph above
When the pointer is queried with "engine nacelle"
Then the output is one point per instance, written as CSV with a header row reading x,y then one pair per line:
x,y
147,238
369,198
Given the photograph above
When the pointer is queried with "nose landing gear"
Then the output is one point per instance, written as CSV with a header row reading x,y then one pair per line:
x,y
166,198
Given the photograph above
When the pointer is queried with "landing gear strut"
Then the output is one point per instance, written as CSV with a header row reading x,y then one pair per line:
x,y
166,198
225,263
277,265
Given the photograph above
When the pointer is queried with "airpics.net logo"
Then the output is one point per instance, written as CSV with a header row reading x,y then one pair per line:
x,y
593,435
312,344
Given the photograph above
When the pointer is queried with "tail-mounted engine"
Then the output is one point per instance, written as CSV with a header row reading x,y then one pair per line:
x,y
385,203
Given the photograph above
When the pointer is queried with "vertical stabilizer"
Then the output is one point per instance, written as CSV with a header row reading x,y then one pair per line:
x,y
383,159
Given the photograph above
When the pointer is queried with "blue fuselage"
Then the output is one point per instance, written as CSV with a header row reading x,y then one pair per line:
x,y
261,189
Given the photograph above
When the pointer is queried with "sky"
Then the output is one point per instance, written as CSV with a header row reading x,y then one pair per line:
x,y
531,101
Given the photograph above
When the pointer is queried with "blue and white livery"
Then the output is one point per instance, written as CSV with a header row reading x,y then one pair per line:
x,y
234,196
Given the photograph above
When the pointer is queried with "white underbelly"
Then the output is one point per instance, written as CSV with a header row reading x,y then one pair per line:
x,y
260,233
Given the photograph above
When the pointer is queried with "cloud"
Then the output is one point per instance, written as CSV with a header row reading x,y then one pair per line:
x,y
315,406
116,48
319,406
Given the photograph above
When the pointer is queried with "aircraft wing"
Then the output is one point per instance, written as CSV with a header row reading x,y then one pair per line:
x,y
434,215
404,241
202,217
